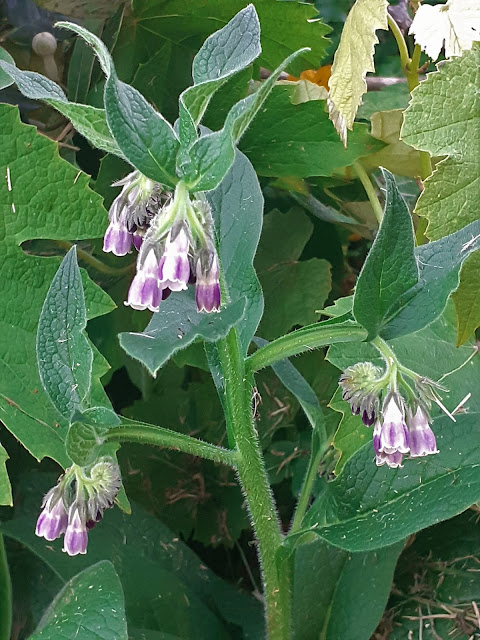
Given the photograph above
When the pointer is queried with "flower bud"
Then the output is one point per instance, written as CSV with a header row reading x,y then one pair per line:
x,y
420,436
207,290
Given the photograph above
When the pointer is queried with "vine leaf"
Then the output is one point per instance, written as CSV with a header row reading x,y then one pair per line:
x,y
353,59
455,24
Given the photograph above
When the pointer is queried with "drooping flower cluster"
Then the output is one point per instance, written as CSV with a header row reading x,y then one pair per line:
x,y
77,503
400,428
174,239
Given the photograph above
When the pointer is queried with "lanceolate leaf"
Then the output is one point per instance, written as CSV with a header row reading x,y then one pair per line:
x,y
5,80
43,196
87,120
353,59
467,298
213,154
145,138
223,54
91,606
439,265
64,355
390,269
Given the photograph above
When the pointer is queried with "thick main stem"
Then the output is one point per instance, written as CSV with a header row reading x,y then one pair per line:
x,y
254,481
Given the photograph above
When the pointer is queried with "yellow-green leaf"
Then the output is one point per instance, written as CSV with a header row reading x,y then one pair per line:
x,y
467,299
353,59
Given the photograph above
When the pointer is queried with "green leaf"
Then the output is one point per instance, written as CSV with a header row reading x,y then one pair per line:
x,y
5,594
176,326
394,96
213,154
467,299
167,587
222,55
88,121
5,80
43,197
353,59
64,355
90,606
181,22
448,97
337,594
439,264
287,139
237,210
145,138
294,290
390,269
5,487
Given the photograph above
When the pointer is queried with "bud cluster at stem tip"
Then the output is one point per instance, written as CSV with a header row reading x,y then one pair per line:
x,y
401,427
77,503
174,239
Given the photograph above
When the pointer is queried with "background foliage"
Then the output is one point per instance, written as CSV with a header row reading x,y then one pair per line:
x,y
183,565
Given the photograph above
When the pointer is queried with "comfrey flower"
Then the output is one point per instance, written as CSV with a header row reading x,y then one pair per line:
x,y
401,427
420,436
77,502
130,211
174,238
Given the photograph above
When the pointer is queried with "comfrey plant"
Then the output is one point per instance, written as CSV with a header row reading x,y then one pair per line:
x,y
192,208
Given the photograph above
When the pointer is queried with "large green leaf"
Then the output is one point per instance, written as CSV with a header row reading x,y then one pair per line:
x,y
43,197
237,206
223,54
294,290
390,269
90,606
167,587
64,355
289,139
89,121
337,594
353,59
443,118
180,21
439,265
145,138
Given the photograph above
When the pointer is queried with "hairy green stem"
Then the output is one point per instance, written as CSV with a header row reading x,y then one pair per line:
x,y
310,337
369,190
143,433
254,481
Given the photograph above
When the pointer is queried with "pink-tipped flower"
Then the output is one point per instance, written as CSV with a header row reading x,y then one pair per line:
x,y
146,291
117,239
420,436
52,522
174,269
76,536
393,437
207,289
393,460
